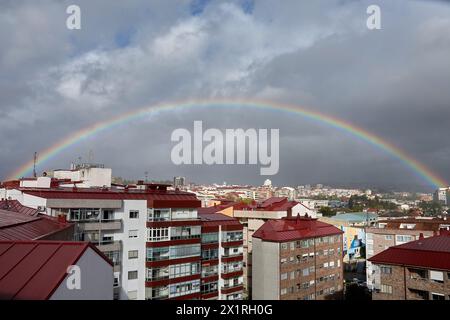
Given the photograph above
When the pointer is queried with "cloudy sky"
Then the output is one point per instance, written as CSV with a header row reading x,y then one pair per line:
x,y
394,82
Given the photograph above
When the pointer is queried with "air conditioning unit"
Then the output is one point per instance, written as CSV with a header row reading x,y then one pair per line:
x,y
41,208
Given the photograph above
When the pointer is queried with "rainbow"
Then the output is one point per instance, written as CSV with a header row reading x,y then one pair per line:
x,y
418,168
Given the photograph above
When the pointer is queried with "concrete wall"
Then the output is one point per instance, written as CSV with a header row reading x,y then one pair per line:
x,y
266,270
96,280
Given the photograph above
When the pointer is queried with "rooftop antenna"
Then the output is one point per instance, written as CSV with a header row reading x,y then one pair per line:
x,y
146,176
34,165
91,156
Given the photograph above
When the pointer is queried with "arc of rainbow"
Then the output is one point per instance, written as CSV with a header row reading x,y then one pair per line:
x,y
417,167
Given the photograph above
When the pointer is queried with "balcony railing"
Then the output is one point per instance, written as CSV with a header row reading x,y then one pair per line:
x,y
101,225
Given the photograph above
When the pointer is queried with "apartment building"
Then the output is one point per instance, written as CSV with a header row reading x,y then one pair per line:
x,y
297,258
221,257
417,270
252,216
391,232
131,226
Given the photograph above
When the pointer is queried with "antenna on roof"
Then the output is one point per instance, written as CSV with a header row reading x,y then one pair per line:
x,y
146,176
34,164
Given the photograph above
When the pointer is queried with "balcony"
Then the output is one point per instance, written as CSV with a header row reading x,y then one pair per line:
x,y
100,225
108,245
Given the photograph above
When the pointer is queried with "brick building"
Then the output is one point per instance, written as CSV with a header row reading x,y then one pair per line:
x,y
297,258
392,232
418,270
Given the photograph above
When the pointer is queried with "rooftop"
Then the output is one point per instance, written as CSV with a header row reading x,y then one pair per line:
x,y
215,219
16,206
354,217
296,228
19,226
432,253
33,270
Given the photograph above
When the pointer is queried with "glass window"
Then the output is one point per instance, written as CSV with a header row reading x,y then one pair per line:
x,y
132,275
134,214
210,237
133,254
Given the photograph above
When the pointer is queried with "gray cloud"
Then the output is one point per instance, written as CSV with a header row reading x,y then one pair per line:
x,y
394,82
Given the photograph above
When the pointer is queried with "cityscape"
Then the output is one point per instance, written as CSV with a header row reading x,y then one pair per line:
x,y
153,240
229,157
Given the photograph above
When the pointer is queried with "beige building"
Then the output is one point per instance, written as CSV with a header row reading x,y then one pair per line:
x,y
297,258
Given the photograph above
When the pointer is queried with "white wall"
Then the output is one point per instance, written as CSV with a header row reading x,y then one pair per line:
x,y
265,270
133,244
96,280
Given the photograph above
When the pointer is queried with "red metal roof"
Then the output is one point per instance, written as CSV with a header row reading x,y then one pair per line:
x,y
33,270
112,194
289,229
18,226
271,204
16,206
432,253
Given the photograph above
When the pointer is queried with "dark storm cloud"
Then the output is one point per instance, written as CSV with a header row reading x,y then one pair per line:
x,y
319,54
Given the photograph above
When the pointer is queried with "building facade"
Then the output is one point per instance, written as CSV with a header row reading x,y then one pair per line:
x,y
297,258
418,270
392,232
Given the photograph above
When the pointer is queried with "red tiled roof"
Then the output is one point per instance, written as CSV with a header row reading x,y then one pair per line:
x,y
289,229
16,206
33,270
432,252
18,226
271,204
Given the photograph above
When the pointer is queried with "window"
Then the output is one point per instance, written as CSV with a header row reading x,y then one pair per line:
x,y
134,214
184,288
114,256
132,233
292,275
157,254
386,289
417,274
209,287
385,270
158,214
184,269
116,282
157,292
157,273
292,245
188,250
210,237
232,236
437,276
158,234
388,237
284,276
305,272
283,291
132,295
208,271
181,233
284,246
132,275
401,238
210,254
133,254
437,296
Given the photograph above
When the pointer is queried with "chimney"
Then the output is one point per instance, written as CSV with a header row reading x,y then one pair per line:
x,y
289,213
421,236
62,218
